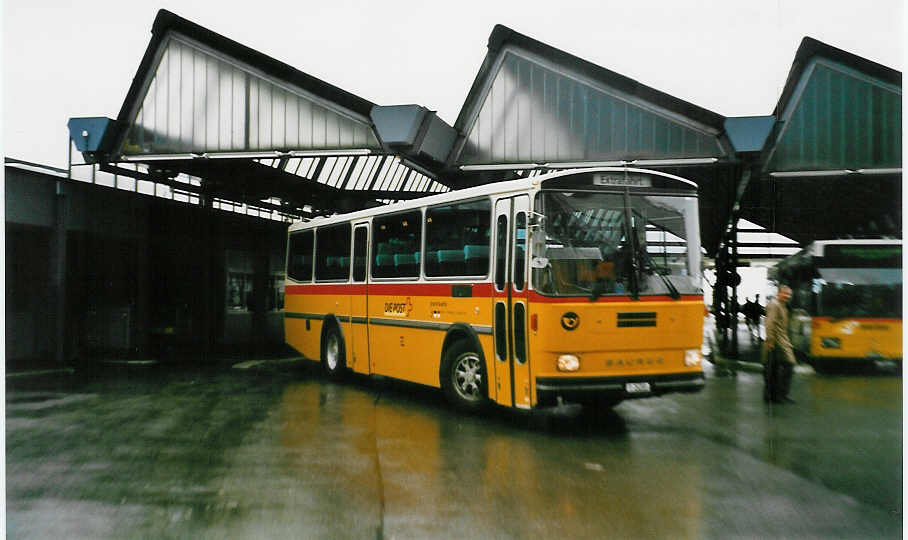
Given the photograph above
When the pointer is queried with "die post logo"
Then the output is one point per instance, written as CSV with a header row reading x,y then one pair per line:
x,y
399,308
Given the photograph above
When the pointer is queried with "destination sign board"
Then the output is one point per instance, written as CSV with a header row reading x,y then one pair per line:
x,y
621,179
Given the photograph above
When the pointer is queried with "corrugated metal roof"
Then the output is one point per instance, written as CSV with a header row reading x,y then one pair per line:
x,y
838,118
502,36
811,48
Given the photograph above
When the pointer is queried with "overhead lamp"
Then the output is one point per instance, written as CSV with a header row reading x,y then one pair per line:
x,y
499,167
330,153
803,174
585,164
897,170
680,161
160,157
243,155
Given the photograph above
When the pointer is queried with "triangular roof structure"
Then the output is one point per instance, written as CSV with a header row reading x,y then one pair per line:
x,y
533,105
198,91
831,167
254,128
838,111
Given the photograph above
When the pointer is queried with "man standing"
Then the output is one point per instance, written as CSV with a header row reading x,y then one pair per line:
x,y
778,355
757,313
748,311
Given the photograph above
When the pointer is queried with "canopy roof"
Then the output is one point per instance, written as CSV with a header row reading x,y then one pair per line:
x,y
831,167
533,103
255,130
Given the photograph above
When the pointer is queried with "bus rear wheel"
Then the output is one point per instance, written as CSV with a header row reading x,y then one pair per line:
x,y
334,360
463,378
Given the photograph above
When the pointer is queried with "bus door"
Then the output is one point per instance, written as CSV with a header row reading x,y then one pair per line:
x,y
509,325
358,350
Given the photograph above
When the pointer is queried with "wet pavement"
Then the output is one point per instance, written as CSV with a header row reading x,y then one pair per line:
x,y
274,450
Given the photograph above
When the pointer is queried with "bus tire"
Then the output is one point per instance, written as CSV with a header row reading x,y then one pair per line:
x,y
334,360
463,377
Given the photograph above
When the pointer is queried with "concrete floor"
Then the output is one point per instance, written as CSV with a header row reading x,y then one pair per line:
x,y
273,450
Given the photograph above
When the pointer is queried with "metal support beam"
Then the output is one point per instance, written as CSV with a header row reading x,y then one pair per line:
x,y
736,280
58,274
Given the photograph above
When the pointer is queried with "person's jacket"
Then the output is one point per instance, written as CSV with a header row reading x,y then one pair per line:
x,y
777,331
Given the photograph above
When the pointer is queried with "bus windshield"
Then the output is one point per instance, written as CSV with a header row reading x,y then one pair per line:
x,y
595,243
859,292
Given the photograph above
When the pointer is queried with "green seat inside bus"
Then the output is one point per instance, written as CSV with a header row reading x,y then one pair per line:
x,y
407,264
384,260
451,262
476,259
431,263
301,267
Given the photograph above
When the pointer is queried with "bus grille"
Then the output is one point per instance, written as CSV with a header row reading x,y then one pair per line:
x,y
638,319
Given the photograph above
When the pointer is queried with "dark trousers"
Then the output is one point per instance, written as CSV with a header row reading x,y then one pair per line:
x,y
777,374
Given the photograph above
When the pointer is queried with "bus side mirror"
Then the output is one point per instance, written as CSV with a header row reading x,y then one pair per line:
x,y
536,219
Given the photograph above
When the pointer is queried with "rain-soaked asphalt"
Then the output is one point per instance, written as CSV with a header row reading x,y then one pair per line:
x,y
277,451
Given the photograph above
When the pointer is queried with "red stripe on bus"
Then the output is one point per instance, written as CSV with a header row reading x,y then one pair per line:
x,y
326,288
479,290
859,319
536,297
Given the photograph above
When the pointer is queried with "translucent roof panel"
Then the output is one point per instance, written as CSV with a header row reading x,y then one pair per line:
x,y
840,118
358,173
534,112
197,100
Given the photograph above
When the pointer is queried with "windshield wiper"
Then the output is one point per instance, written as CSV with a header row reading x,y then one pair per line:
x,y
598,290
672,290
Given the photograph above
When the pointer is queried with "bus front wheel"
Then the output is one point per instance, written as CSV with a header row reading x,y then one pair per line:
x,y
463,378
333,354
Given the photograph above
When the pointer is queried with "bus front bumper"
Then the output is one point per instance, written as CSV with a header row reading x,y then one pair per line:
x,y
586,389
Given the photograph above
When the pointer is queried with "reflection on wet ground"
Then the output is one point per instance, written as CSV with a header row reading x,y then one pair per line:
x,y
277,451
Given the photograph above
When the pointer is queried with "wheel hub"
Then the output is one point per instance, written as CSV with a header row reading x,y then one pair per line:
x,y
468,377
331,352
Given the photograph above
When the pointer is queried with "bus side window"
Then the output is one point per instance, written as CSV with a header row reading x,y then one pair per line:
x,y
299,258
396,245
332,255
359,254
520,230
501,252
457,239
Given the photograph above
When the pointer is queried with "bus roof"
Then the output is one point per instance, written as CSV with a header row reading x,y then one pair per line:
x,y
495,188
818,248
844,253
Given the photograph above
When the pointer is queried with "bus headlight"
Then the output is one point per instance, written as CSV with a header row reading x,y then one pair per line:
x,y
568,362
692,357
831,343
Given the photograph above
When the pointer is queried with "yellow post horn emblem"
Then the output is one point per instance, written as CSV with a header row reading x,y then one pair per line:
x,y
570,320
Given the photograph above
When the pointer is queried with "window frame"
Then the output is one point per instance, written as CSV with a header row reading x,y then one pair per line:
x,y
349,225
373,248
470,277
364,226
290,254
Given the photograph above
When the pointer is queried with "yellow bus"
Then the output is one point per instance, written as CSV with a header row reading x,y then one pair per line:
x,y
846,304
578,287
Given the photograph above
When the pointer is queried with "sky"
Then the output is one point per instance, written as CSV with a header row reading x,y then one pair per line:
x,y
65,59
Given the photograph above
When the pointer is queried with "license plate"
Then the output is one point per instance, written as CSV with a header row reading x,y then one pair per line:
x,y
636,387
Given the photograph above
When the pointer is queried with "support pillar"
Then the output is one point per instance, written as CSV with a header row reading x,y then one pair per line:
x,y
58,273
735,281
209,252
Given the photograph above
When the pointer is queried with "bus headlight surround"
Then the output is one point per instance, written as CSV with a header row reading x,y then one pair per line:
x,y
692,357
831,343
568,362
